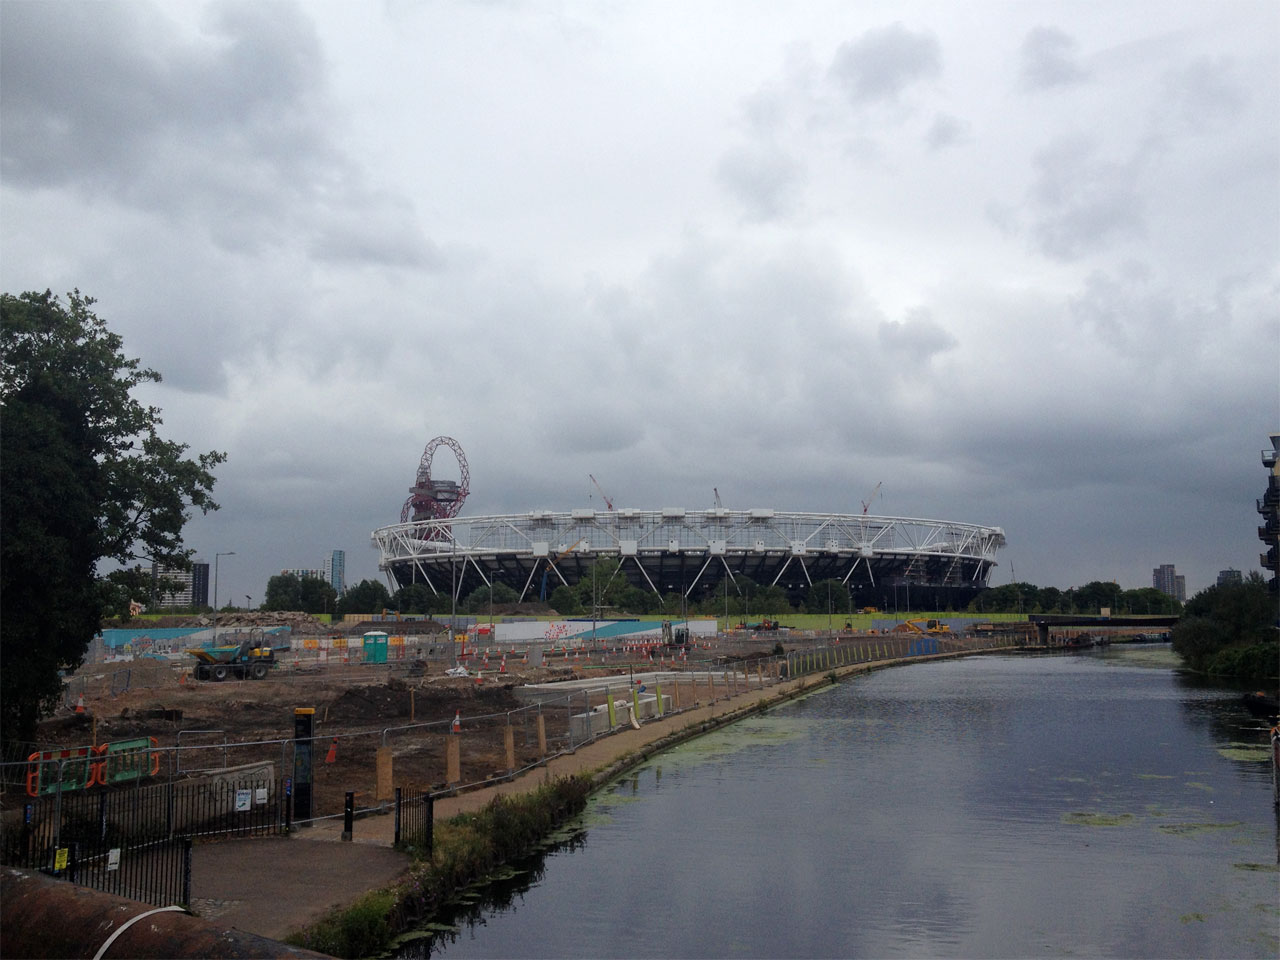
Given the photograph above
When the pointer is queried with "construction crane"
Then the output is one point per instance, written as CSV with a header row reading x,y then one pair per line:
x,y
716,491
607,502
866,504
551,565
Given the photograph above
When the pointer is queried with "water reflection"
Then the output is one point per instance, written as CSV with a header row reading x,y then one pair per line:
x,y
988,807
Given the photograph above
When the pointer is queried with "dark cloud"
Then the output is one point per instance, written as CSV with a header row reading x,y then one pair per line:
x,y
919,336
1082,203
946,131
763,179
1208,93
881,64
226,131
1049,59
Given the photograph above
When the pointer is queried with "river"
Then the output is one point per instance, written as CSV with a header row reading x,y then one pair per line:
x,y
1088,804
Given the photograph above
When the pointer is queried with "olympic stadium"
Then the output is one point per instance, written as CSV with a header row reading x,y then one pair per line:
x,y
886,562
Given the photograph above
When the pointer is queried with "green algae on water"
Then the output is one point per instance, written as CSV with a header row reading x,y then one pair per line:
x,y
1186,829
1251,752
1088,819
1258,867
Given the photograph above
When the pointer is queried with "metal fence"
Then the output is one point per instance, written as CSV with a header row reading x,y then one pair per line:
x,y
415,820
152,869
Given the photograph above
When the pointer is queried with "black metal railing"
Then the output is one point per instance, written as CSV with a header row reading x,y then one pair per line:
x,y
131,841
415,819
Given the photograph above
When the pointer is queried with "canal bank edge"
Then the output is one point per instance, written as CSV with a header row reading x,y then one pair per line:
x,y
601,762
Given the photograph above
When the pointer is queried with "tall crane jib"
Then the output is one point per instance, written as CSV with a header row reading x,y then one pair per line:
x,y
607,502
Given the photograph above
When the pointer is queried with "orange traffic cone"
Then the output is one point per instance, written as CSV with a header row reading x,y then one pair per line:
x,y
457,722
80,704
332,755
503,668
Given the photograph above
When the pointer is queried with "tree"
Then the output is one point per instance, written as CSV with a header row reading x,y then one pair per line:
x,y
827,596
1230,630
84,477
316,595
284,592
367,596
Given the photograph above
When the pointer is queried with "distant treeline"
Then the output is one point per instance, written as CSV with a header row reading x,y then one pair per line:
x,y
1092,598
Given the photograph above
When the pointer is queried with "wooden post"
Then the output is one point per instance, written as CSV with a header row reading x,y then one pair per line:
x,y
453,759
542,735
509,741
383,789
411,692
608,699
675,695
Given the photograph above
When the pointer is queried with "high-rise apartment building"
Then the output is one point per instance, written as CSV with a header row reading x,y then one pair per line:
x,y
190,588
1269,508
1229,576
335,571
1167,580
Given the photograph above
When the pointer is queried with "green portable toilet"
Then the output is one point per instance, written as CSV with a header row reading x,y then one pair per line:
x,y
375,647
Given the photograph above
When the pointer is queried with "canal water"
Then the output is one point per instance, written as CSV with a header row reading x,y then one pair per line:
x,y
1087,804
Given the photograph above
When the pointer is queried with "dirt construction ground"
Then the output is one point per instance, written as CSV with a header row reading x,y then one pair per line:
x,y
408,706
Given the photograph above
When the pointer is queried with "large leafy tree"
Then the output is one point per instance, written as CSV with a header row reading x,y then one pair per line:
x,y
367,596
84,477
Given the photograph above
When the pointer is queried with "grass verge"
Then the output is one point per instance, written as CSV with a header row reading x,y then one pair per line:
x,y
468,848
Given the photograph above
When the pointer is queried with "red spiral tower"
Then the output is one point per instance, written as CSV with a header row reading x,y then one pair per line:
x,y
434,499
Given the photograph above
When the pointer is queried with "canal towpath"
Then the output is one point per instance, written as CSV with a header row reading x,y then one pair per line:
x,y
279,885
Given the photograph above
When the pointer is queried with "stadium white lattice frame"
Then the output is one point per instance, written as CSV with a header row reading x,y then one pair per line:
x,y
716,542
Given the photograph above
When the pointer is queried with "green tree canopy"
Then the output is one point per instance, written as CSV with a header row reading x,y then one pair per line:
x,y
1230,630
367,596
84,477
284,592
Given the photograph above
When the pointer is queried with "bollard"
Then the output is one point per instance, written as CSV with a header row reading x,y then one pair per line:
x,y
348,815
383,778
453,759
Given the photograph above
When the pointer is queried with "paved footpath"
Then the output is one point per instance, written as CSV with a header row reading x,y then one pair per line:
x,y
274,886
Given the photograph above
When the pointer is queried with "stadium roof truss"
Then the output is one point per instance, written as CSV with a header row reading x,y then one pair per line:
x,y
688,549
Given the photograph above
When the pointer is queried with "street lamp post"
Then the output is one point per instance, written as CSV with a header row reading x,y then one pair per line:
x,y
248,602
216,558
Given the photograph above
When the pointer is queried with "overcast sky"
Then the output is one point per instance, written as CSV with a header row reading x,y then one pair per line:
x,y
1015,261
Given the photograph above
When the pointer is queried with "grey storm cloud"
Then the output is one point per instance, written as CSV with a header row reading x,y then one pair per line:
x,y
1049,59
763,178
946,131
881,64
227,130
833,251
1082,202
919,335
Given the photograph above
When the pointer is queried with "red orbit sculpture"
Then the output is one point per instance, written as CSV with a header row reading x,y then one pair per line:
x,y
432,499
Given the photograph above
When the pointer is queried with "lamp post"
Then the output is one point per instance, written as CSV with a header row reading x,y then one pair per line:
x,y
216,558
248,602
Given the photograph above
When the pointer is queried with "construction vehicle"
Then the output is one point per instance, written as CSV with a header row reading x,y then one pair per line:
x,y
674,636
252,659
759,627
932,627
